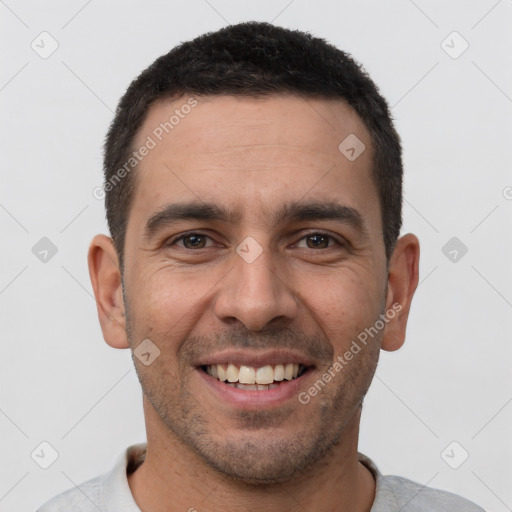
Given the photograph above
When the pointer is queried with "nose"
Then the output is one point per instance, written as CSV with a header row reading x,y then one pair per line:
x,y
254,294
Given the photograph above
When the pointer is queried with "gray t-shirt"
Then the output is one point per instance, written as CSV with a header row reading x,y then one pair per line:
x,y
111,492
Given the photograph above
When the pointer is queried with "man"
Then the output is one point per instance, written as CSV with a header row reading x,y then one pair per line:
x,y
253,193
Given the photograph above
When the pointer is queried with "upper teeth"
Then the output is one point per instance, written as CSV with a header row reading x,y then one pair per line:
x,y
250,375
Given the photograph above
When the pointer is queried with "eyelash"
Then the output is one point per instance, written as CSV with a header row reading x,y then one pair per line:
x,y
190,233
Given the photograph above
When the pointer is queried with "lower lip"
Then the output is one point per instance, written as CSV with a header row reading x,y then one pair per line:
x,y
248,399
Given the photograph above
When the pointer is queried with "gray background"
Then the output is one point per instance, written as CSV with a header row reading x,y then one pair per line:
x,y
60,382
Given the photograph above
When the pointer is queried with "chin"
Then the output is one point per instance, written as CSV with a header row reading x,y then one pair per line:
x,y
261,460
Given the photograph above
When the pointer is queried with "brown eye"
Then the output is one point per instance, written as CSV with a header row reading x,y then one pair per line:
x,y
194,241
191,240
317,241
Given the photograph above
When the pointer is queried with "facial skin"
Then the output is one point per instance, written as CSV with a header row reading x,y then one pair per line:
x,y
305,298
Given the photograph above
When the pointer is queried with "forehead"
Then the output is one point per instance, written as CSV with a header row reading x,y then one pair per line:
x,y
251,154
292,122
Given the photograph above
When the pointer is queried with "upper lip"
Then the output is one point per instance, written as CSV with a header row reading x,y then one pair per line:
x,y
255,359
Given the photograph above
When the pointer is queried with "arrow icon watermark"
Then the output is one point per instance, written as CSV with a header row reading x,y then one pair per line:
x,y
146,352
351,147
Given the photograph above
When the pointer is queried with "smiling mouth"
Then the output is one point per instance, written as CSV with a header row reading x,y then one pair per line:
x,y
251,378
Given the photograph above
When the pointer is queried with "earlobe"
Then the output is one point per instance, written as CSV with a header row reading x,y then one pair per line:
x,y
106,282
402,283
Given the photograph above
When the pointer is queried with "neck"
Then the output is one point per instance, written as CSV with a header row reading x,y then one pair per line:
x,y
174,479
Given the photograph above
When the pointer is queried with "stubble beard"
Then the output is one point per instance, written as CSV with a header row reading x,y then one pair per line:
x,y
258,454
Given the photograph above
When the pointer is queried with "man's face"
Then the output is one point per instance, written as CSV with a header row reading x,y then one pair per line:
x,y
291,272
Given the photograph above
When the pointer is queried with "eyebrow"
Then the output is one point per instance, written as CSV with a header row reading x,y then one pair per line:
x,y
288,212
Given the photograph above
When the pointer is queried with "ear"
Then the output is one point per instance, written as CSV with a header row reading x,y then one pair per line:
x,y
402,282
106,282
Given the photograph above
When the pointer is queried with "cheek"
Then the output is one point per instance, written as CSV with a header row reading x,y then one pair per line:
x,y
343,303
165,302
